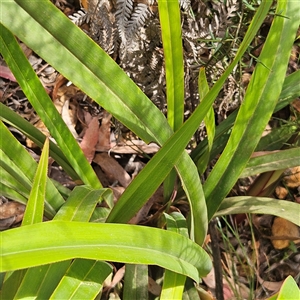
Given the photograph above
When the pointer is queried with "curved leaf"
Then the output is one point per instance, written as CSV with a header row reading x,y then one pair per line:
x,y
260,205
45,108
259,103
12,118
22,168
112,242
275,160
85,284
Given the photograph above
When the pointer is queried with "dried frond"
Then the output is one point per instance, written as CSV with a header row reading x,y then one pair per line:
x,y
153,61
79,17
185,4
123,14
138,19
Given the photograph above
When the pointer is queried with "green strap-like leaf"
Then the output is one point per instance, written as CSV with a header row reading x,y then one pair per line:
x,y
43,105
78,207
260,205
22,167
85,284
173,283
259,103
135,282
277,160
169,16
81,204
209,121
66,240
12,118
35,206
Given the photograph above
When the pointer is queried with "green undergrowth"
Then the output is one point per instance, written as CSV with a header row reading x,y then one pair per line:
x,y
69,256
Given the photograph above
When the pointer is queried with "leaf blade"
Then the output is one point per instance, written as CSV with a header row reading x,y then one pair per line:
x,y
176,253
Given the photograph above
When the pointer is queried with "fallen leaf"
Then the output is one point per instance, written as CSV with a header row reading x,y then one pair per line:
x,y
104,133
69,117
11,212
112,168
134,147
283,228
281,192
90,139
292,177
6,73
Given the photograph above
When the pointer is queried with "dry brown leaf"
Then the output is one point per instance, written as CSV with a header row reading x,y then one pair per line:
x,y
11,212
104,133
283,228
296,104
69,116
143,212
134,147
117,192
6,73
270,285
112,168
210,281
110,282
281,192
90,139
292,177
153,287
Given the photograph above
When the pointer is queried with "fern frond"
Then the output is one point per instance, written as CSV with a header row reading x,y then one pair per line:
x,y
79,17
138,18
123,13
185,4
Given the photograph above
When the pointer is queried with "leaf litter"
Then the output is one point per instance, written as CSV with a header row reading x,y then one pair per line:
x,y
257,252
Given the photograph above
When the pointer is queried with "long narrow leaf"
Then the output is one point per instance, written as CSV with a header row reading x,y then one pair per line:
x,y
209,121
135,282
22,167
85,284
259,103
41,281
33,214
10,117
169,16
276,160
173,284
101,242
260,205
43,105
35,206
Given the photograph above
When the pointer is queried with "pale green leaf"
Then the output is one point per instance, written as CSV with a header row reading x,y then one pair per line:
x,y
260,100
260,205
170,22
101,242
35,205
22,167
271,161
83,280
37,96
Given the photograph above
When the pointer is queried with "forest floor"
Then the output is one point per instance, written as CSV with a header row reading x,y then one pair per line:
x,y
252,262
